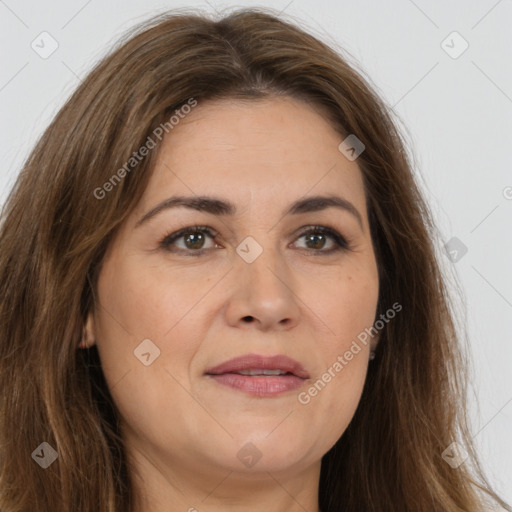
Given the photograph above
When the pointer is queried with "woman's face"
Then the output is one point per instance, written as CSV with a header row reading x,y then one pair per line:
x,y
258,286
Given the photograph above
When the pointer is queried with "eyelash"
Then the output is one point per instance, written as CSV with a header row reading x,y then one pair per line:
x,y
340,241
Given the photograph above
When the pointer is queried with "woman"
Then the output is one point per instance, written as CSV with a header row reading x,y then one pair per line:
x,y
220,290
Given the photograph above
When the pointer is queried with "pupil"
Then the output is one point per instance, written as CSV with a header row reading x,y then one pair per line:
x,y
196,240
198,237
319,238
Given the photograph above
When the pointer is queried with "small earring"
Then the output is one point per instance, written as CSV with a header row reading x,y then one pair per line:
x,y
85,343
372,355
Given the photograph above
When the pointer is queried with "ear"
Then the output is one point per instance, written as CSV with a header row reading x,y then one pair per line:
x,y
375,342
88,335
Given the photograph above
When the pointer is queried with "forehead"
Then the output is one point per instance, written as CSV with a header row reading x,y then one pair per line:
x,y
256,150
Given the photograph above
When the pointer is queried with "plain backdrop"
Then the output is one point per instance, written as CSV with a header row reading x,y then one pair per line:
x,y
445,68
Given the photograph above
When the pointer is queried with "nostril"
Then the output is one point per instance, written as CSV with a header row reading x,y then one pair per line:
x,y
247,318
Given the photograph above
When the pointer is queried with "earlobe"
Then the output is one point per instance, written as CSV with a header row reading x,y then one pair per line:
x,y
88,335
374,342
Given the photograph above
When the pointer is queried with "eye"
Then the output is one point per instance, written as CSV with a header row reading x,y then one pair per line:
x,y
316,237
194,238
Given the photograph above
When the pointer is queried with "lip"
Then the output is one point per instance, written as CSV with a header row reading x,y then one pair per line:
x,y
263,386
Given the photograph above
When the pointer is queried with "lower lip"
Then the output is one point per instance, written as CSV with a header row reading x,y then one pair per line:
x,y
262,386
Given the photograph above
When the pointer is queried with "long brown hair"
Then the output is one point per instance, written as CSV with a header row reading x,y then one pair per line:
x,y
59,219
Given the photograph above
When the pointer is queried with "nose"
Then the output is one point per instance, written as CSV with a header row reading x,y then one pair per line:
x,y
264,294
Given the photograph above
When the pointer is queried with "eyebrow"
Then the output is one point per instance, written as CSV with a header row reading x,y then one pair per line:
x,y
216,206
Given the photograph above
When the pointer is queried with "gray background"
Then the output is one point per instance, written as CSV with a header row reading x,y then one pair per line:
x,y
455,111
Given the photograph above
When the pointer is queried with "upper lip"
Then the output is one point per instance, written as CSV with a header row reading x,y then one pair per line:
x,y
259,362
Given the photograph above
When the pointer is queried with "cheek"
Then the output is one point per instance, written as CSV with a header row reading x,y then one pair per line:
x,y
142,301
347,311
334,393
346,305
140,314
336,403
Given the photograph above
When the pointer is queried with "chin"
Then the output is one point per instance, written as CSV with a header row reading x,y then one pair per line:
x,y
261,452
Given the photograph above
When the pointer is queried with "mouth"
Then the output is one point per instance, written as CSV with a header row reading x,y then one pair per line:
x,y
260,375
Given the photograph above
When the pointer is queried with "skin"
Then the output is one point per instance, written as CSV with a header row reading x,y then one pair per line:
x,y
182,430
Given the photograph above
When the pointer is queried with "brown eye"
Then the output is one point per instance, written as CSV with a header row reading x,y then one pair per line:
x,y
315,240
317,236
194,239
